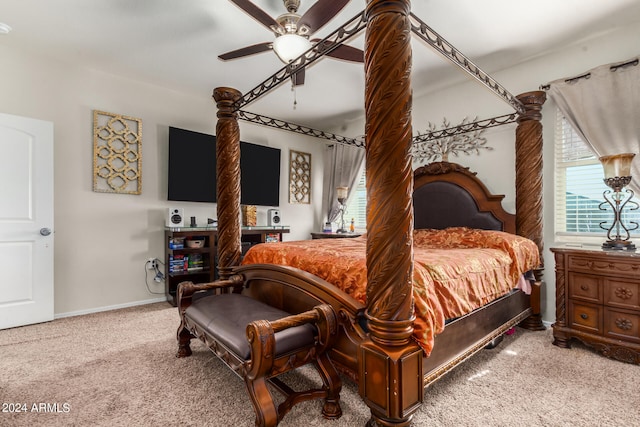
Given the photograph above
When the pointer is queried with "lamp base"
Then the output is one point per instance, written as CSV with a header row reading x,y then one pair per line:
x,y
341,230
618,245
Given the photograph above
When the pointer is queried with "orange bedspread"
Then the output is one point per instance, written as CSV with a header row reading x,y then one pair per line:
x,y
455,270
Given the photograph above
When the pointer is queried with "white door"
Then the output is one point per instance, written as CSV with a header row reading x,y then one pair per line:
x,y
26,221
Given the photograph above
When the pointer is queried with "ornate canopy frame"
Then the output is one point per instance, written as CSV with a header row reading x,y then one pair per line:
x,y
388,27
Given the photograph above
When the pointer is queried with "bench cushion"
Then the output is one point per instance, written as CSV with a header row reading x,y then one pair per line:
x,y
225,317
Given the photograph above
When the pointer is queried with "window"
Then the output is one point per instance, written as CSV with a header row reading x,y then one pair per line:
x,y
579,186
357,206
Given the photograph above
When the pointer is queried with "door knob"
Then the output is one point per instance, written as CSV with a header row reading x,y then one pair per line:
x,y
45,231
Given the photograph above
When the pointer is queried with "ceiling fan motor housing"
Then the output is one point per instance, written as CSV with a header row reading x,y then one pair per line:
x,y
291,5
288,24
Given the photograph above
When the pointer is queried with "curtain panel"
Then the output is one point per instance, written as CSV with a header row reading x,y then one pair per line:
x,y
342,168
603,106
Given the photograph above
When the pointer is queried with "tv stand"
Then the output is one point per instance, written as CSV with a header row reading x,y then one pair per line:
x,y
197,262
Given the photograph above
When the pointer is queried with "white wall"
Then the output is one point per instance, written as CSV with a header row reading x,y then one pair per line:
x,y
102,240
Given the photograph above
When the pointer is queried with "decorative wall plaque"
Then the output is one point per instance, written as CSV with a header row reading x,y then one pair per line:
x,y
249,215
299,177
117,153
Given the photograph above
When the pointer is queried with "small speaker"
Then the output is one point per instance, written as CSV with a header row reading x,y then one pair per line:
x,y
175,217
273,217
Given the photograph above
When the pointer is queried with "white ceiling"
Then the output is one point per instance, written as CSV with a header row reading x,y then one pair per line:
x,y
175,43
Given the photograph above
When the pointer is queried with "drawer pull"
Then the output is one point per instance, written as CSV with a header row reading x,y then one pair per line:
x,y
624,324
623,293
584,316
584,287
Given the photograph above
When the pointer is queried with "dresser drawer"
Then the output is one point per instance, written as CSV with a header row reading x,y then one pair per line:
x,y
598,301
585,287
585,316
605,265
622,293
622,324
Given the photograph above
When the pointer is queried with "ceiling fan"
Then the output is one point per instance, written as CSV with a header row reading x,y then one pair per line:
x,y
292,32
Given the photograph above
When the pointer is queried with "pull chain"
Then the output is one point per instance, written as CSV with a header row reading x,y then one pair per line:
x,y
295,100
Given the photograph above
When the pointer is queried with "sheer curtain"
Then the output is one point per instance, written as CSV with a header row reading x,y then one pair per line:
x,y
603,106
342,167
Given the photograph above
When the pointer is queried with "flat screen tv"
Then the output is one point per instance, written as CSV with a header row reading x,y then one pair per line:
x,y
192,170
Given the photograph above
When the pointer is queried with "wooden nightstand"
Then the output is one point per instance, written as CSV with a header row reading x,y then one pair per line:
x,y
598,301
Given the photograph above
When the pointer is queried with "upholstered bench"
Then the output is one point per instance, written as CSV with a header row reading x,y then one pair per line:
x,y
260,342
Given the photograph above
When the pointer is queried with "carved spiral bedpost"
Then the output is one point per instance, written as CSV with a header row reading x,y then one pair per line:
x,y
560,338
390,367
529,187
228,180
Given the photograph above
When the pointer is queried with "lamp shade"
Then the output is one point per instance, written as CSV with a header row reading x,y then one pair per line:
x,y
617,165
290,46
341,192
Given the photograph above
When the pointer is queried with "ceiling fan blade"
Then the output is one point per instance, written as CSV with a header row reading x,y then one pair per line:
x,y
321,13
348,53
246,51
344,52
298,78
258,14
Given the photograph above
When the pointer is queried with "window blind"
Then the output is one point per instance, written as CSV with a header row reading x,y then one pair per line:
x,y
579,185
357,207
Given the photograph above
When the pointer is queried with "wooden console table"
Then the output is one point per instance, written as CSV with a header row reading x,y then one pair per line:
x,y
598,301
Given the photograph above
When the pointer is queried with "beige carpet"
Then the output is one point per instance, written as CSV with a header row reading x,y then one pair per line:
x,y
119,368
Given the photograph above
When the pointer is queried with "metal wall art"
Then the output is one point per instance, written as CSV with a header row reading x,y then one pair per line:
x,y
117,153
467,143
299,177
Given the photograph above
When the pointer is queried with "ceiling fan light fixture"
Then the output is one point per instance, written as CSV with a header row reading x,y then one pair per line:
x,y
290,46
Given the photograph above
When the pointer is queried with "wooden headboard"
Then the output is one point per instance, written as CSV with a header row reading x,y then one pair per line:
x,y
449,195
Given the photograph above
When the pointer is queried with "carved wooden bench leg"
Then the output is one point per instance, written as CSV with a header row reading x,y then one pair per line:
x,y
184,339
185,298
261,338
331,409
263,405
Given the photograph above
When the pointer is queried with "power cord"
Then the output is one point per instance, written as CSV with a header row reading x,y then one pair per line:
x,y
158,276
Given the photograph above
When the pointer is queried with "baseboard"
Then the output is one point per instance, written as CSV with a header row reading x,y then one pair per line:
x,y
108,308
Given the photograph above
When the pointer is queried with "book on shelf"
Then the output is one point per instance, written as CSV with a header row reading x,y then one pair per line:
x,y
176,243
195,263
178,263
186,263
272,238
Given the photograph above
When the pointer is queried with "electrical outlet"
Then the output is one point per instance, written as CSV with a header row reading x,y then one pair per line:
x,y
152,264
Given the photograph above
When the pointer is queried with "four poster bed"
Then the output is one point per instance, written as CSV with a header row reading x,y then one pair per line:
x,y
466,255
375,343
